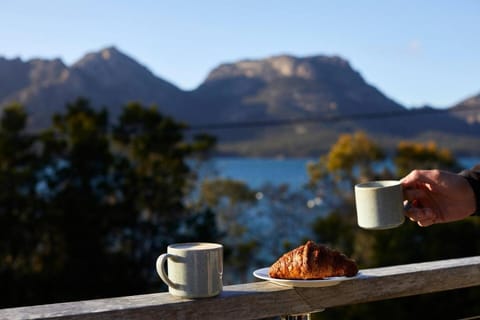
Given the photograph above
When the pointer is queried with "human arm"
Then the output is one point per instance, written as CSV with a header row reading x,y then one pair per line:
x,y
438,196
473,178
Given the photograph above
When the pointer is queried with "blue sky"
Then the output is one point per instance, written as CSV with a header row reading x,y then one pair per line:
x,y
415,52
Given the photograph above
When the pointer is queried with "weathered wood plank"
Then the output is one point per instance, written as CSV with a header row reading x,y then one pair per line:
x,y
264,299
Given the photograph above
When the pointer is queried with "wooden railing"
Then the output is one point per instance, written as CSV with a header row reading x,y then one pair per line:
x,y
264,299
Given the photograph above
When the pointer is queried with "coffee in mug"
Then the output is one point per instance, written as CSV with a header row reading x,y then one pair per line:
x,y
195,269
379,204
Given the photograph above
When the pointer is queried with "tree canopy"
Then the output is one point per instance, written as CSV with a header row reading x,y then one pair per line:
x,y
86,208
88,204
405,244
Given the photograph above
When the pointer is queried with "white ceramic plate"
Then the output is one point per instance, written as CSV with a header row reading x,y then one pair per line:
x,y
263,274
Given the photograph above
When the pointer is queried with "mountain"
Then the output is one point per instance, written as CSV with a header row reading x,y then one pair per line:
x,y
324,94
107,78
285,87
468,109
280,105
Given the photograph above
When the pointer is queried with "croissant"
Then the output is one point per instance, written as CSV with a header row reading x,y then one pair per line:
x,y
312,261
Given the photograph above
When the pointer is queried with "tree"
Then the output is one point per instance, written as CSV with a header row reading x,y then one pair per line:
x,y
350,160
233,201
23,241
411,155
406,244
350,152
82,210
84,217
155,180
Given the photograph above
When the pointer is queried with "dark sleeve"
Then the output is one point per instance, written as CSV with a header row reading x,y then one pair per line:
x,y
473,178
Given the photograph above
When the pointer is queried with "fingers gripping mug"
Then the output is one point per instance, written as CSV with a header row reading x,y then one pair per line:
x,y
379,204
194,269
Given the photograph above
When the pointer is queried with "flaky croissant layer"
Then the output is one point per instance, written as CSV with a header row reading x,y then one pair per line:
x,y
313,261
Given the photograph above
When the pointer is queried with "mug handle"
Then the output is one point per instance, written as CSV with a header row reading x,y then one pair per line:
x,y
161,269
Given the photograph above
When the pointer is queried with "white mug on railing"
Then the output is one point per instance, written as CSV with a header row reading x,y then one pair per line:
x,y
195,269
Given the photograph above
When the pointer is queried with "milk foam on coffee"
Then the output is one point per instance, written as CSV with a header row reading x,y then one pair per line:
x,y
196,246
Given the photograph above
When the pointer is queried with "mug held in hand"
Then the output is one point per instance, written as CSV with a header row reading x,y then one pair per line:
x,y
379,204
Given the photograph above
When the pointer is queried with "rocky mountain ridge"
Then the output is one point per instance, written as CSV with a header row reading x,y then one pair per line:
x,y
248,91
107,78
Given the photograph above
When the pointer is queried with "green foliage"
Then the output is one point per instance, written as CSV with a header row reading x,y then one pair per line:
x,y
410,155
23,242
351,152
33,250
85,210
156,162
406,244
231,199
200,226
335,230
349,161
215,191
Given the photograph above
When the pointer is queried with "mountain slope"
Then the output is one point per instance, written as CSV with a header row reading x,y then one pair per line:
x,y
468,109
320,88
18,79
281,104
287,86
107,78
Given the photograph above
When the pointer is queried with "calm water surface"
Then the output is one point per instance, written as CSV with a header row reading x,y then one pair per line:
x,y
259,171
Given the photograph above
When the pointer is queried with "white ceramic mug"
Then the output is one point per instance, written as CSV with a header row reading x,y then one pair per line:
x,y
194,269
379,204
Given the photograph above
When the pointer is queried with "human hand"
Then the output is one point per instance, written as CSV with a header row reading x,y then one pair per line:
x,y
437,196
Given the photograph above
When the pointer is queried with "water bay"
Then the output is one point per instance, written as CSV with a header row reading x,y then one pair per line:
x,y
257,172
